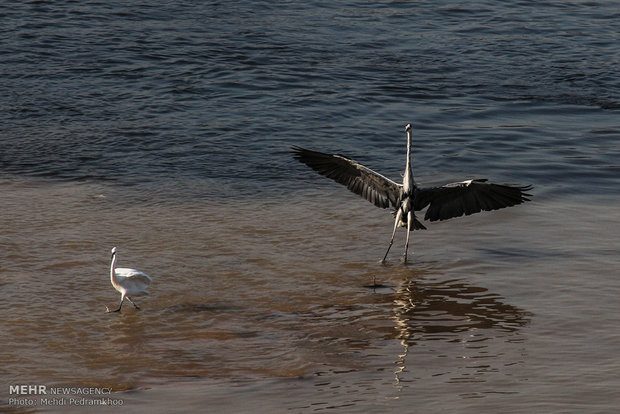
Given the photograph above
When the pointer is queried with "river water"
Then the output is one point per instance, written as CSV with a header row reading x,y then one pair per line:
x,y
164,129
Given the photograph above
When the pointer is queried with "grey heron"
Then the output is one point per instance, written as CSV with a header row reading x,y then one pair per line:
x,y
127,282
443,202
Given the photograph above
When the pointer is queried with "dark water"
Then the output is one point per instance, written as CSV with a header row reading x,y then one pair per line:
x,y
164,128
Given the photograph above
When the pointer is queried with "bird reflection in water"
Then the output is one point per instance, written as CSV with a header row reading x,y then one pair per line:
x,y
451,310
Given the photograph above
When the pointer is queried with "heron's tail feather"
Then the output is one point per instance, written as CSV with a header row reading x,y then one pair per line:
x,y
417,225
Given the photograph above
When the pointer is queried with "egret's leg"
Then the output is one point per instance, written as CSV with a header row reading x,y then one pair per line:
x,y
409,221
399,214
132,302
119,306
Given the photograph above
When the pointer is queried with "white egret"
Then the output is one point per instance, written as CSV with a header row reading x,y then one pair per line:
x,y
127,282
443,202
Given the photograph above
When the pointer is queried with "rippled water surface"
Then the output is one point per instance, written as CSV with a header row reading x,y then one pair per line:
x,y
164,129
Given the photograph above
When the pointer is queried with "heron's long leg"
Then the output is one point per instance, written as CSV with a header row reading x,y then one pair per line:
x,y
132,302
399,214
409,221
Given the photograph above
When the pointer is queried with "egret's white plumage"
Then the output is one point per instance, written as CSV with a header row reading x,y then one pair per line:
x,y
127,281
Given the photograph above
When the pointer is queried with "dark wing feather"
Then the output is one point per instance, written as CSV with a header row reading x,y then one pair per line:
x,y
363,181
467,197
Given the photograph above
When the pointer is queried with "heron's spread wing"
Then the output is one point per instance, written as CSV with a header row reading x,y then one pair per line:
x,y
468,197
363,181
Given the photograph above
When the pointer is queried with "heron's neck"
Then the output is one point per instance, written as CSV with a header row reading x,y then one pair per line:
x,y
408,176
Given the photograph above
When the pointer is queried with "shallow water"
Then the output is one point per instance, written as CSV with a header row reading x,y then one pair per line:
x,y
267,306
165,131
